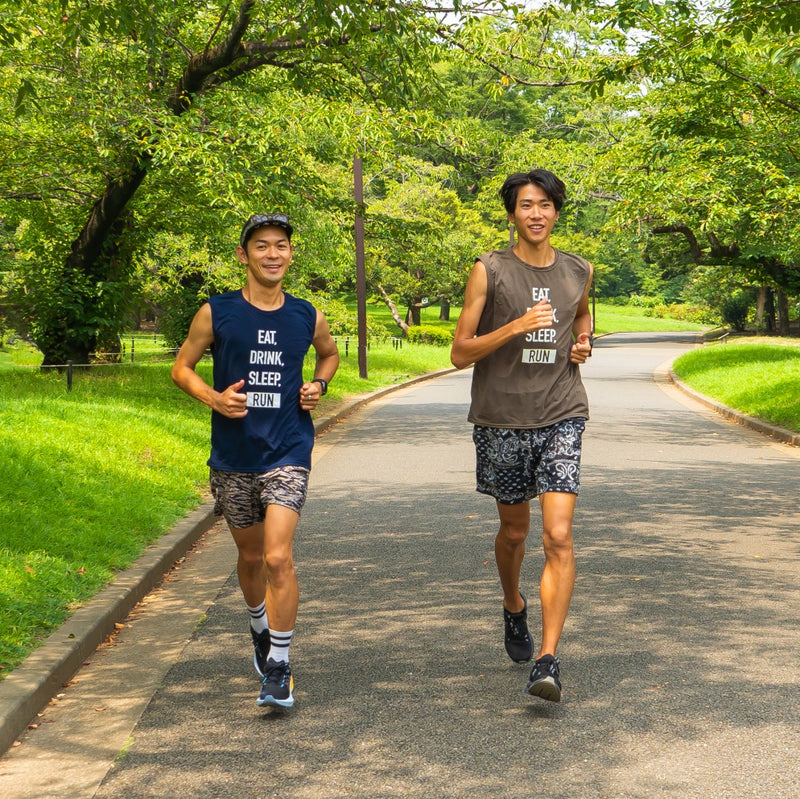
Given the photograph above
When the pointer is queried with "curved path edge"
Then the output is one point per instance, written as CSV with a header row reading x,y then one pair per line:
x,y
773,431
42,675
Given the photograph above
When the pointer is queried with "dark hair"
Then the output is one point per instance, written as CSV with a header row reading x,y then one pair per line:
x,y
552,186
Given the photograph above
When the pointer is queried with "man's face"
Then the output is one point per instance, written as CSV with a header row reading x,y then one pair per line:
x,y
267,255
534,216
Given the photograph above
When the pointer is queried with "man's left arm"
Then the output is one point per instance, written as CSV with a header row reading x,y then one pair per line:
x,y
582,327
325,367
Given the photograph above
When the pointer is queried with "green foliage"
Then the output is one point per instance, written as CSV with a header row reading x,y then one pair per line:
x,y
343,320
702,151
421,237
673,126
682,312
142,135
736,309
425,334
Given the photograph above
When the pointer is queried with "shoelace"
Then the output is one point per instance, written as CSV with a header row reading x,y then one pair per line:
x,y
549,666
515,629
284,674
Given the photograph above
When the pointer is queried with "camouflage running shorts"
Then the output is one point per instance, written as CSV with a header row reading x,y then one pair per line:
x,y
242,497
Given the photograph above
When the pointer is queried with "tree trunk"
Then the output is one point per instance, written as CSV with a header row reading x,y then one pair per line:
x,y
761,304
91,257
783,313
413,315
444,310
68,337
393,309
769,311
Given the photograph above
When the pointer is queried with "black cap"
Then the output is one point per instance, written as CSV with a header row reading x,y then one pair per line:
x,y
265,220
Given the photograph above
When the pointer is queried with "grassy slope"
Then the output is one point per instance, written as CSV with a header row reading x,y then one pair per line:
x,y
760,377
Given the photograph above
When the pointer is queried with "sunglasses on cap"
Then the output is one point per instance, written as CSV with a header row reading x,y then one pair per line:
x,y
264,220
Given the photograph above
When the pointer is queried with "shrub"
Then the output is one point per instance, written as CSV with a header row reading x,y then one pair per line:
x,y
427,334
735,310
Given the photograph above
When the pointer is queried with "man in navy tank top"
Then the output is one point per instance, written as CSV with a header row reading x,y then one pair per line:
x,y
526,326
262,433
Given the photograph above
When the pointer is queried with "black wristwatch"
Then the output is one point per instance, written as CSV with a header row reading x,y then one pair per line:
x,y
323,384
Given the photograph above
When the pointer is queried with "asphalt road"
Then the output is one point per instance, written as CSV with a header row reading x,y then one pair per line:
x,y
679,658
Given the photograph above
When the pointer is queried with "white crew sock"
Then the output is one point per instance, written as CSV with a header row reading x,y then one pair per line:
x,y
279,645
258,618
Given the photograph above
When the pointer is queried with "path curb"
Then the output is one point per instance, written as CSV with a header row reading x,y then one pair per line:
x,y
773,431
43,674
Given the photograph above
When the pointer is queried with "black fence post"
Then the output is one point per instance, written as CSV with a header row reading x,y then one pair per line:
x,y
133,348
69,375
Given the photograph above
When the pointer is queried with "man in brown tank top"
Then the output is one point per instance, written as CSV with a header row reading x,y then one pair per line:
x,y
526,326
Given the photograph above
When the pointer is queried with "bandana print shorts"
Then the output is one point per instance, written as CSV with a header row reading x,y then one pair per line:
x,y
514,466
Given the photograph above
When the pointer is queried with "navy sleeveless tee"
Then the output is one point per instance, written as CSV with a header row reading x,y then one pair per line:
x,y
266,349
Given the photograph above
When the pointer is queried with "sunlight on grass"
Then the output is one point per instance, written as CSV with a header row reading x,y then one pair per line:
x,y
95,474
757,378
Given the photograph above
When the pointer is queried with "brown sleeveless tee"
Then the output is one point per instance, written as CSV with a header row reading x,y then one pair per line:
x,y
529,381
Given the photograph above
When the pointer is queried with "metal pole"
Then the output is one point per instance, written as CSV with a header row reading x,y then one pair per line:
x,y
361,276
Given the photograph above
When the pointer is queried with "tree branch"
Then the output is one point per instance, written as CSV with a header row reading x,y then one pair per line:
x,y
760,88
200,67
688,233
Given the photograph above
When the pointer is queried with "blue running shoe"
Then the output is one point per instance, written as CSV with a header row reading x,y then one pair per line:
x,y
276,690
261,644
544,681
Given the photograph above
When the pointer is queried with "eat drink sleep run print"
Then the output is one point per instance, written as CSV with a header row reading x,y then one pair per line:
x,y
265,355
547,335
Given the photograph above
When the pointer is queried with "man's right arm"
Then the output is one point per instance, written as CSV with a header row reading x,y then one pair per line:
x,y
467,346
230,402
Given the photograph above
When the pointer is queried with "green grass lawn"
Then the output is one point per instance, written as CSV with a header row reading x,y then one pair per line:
x,y
759,377
629,319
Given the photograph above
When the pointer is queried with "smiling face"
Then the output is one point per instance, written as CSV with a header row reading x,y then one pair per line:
x,y
534,215
267,255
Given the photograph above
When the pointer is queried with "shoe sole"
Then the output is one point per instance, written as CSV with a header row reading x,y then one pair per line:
x,y
520,660
271,701
544,689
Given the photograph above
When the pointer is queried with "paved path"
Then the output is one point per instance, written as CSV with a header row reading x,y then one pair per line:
x,y
679,659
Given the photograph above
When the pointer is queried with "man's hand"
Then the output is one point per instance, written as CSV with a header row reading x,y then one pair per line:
x,y
230,402
309,395
581,349
538,318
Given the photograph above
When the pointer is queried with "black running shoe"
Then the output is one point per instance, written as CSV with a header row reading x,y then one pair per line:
x,y
261,646
544,681
276,690
519,643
